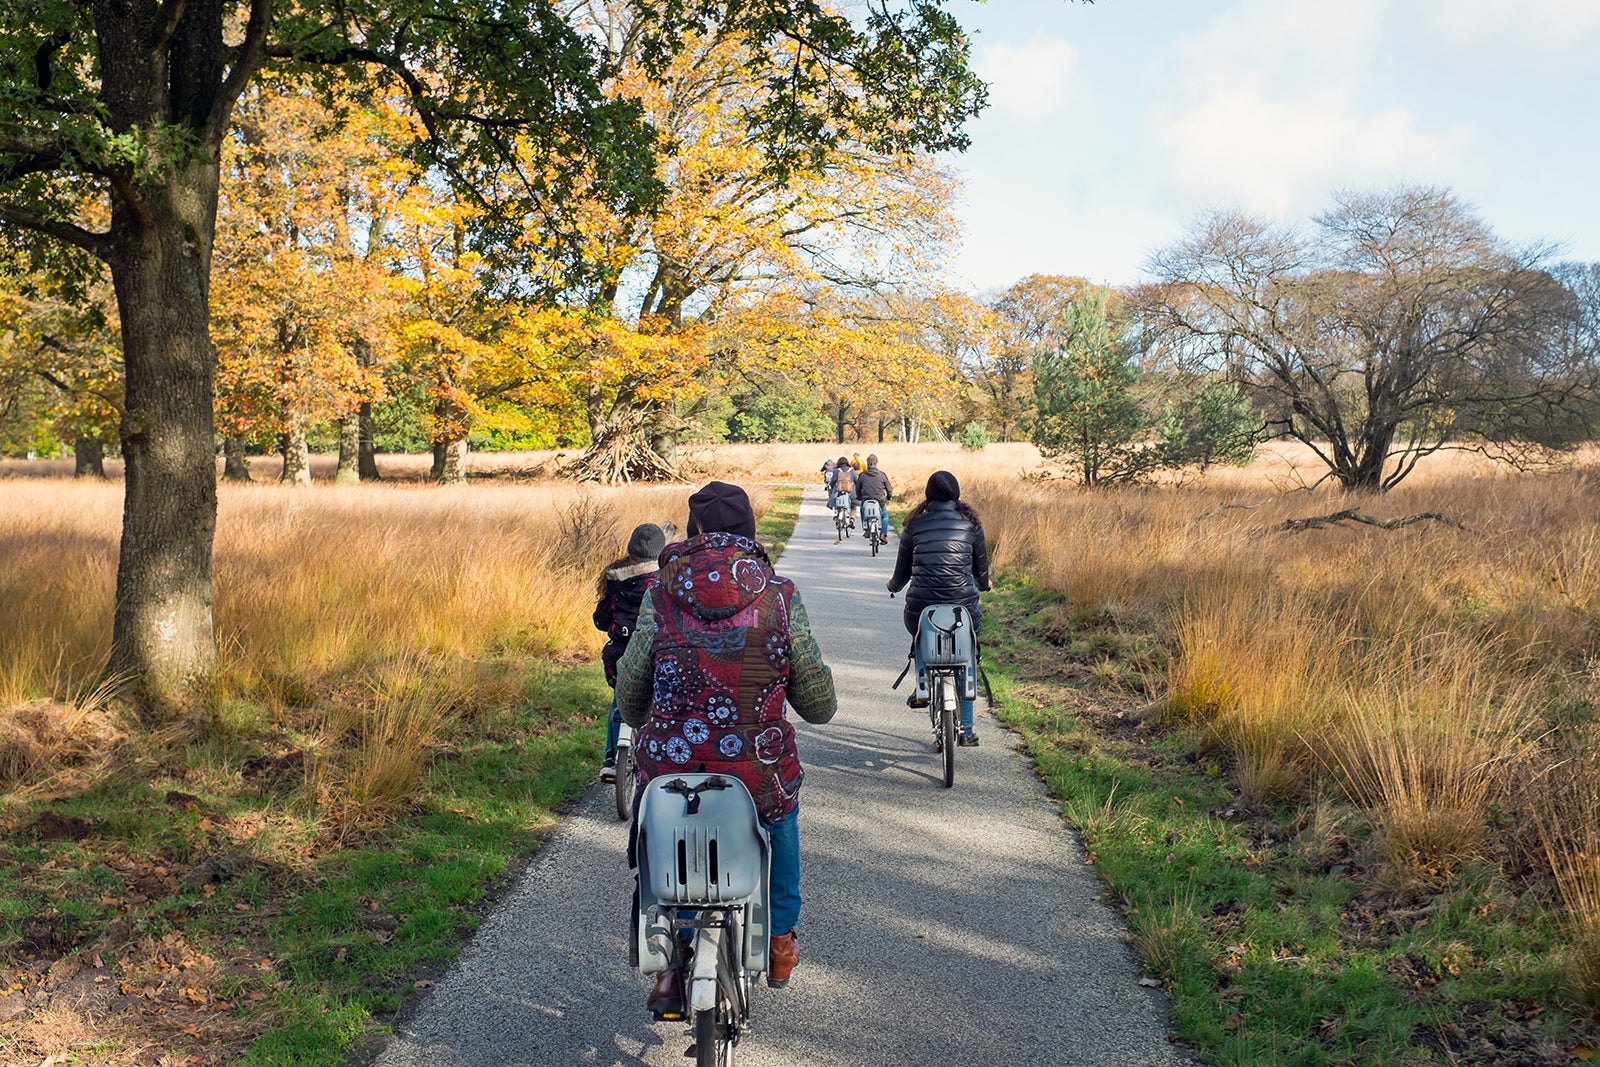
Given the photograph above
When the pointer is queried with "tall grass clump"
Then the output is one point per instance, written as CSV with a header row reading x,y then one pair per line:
x,y
1258,677
1422,746
1565,804
388,739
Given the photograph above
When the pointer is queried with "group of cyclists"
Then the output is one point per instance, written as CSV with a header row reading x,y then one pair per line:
x,y
854,481
707,643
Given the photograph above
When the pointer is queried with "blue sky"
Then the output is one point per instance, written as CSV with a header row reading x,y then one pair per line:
x,y
1112,127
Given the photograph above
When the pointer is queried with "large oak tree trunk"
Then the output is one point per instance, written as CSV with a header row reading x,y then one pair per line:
x,y
235,464
88,458
450,460
296,457
367,459
349,471
160,257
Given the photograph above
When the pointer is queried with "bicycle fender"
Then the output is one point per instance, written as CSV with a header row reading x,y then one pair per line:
x,y
707,952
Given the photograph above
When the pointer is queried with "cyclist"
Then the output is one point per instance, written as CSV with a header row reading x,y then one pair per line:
x,y
828,466
844,485
855,462
944,559
722,642
873,484
621,589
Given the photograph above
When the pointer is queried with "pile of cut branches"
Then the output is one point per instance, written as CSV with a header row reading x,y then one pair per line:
x,y
622,453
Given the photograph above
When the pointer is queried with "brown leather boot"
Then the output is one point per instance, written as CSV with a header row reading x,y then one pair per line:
x,y
667,996
783,952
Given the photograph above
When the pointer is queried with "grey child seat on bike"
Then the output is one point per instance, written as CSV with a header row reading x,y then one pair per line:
x,y
945,638
701,845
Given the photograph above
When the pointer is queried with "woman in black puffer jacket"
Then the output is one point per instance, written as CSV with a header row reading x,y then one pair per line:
x,y
943,557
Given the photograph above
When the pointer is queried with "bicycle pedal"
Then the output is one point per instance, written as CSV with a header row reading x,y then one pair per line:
x,y
669,1016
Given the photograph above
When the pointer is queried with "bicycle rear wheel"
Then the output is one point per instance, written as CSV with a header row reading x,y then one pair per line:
x,y
716,1031
947,727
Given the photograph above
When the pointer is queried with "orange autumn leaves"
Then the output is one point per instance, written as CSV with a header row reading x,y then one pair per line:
x,y
347,273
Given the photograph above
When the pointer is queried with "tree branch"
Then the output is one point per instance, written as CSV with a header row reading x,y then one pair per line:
x,y
1356,515
252,52
98,244
166,23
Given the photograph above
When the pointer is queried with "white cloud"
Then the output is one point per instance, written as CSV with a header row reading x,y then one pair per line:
x,y
1028,81
1267,154
1274,106
1530,27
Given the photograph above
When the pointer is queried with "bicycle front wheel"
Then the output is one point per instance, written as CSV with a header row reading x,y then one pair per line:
x,y
624,784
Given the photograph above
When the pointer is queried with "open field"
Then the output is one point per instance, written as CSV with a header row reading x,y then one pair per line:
x,y
1404,717
730,462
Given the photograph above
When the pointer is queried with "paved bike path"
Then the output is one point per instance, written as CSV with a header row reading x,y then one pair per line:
x,y
956,926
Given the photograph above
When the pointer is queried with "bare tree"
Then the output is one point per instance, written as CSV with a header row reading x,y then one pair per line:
x,y
1400,325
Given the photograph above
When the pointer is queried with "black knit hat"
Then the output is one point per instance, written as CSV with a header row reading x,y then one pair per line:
x,y
942,485
646,541
720,506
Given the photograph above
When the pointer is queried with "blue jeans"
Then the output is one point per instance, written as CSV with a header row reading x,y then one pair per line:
x,y
613,729
785,834
883,518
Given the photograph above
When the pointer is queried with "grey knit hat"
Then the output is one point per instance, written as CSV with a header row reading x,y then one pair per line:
x,y
646,541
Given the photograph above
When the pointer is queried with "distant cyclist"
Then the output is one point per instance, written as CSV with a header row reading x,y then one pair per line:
x,y
873,484
844,489
944,558
829,465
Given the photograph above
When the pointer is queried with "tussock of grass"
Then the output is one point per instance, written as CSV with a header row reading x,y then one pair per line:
x,y
1567,812
1423,749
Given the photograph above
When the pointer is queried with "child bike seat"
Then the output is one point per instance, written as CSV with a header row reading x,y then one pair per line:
x,y
945,638
701,841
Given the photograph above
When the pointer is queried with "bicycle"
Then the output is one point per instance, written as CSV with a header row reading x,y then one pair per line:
x,y
624,770
841,515
704,864
872,522
947,649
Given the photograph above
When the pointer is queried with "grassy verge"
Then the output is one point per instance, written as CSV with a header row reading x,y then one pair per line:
x,y
776,524
195,893
1273,927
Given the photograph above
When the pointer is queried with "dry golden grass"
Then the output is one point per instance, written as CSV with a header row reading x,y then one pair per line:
x,y
388,600
1403,663
1422,746
1566,807
1346,651
1266,717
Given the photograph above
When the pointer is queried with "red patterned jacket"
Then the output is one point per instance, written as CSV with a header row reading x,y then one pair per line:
x,y
721,633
